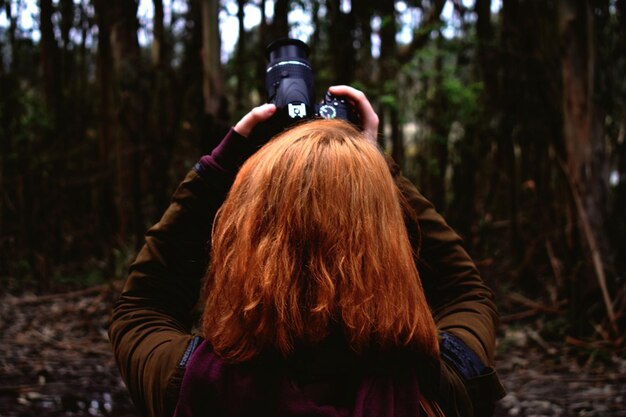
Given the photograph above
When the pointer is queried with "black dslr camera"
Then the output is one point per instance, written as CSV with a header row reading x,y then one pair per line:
x,y
289,84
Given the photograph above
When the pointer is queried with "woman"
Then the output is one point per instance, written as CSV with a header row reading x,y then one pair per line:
x,y
314,305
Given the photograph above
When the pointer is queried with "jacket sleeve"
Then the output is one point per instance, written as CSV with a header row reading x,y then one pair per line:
x,y
151,327
463,306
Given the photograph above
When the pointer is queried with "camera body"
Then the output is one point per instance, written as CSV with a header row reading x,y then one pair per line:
x,y
289,84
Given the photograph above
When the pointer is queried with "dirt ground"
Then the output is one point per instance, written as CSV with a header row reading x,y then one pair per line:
x,y
55,360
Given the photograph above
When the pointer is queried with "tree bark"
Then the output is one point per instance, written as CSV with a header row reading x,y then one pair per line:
x,y
462,211
260,58
11,217
438,141
241,48
363,13
504,176
582,118
120,17
342,52
109,214
389,68
159,46
2,70
583,128
213,85
49,58
67,10
12,35
315,36
280,23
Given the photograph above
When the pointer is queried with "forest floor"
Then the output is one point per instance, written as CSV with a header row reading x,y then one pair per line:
x,y
55,360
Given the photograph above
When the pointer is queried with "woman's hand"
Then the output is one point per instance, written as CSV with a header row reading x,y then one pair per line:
x,y
256,115
369,118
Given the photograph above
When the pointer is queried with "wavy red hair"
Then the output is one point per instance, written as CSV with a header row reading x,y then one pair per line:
x,y
311,236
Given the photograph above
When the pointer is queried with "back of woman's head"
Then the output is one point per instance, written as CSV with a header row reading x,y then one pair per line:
x,y
311,236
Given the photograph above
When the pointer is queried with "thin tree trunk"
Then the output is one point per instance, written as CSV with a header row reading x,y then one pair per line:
x,y
12,34
241,48
130,103
341,29
67,9
213,88
315,37
131,114
10,217
462,210
587,161
109,216
387,76
260,59
504,176
280,23
438,143
158,42
49,57
41,250
2,70
363,16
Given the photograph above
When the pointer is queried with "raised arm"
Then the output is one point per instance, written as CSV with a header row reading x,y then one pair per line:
x,y
151,328
462,304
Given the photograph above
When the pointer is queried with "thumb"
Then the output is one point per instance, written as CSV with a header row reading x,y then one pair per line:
x,y
254,117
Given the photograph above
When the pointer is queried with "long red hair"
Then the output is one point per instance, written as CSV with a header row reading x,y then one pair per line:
x,y
312,236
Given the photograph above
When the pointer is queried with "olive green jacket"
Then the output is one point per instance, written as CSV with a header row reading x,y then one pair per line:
x,y
152,321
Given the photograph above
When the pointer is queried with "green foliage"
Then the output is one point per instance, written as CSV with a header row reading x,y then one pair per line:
x,y
34,122
556,329
122,258
19,278
462,97
86,279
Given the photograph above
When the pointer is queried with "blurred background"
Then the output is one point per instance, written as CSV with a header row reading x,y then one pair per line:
x,y
510,115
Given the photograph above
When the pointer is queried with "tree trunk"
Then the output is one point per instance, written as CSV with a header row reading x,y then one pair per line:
x,y
67,10
241,67
216,117
163,120
583,128
159,47
213,85
388,74
109,214
478,134
41,251
363,37
280,23
438,142
120,18
12,34
582,118
2,70
314,43
504,181
260,58
11,218
342,52
49,58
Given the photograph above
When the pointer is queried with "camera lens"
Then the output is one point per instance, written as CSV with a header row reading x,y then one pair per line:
x,y
286,48
289,76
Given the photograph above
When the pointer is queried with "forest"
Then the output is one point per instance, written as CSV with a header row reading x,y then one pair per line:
x,y
510,116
